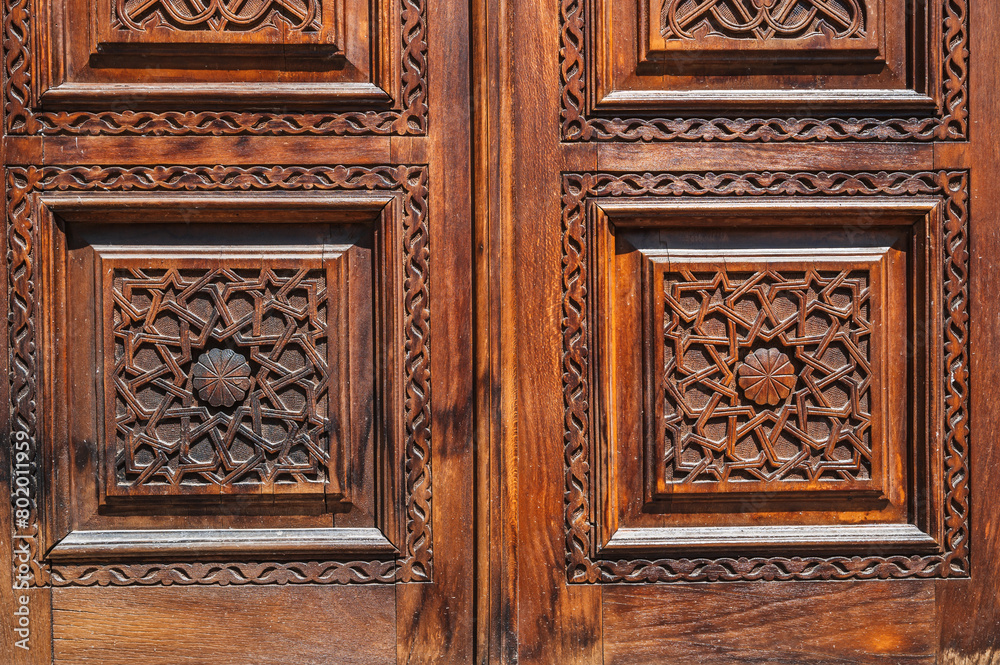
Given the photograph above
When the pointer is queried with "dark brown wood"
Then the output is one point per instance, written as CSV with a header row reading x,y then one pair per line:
x,y
225,625
858,622
971,637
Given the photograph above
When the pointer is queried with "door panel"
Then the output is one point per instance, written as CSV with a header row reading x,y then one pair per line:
x,y
685,70
757,376
240,394
291,67
744,312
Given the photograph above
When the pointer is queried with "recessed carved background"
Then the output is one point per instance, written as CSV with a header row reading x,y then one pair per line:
x,y
221,378
218,15
767,376
762,19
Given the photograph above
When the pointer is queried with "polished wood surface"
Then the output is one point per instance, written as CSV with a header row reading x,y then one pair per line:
x,y
423,331
675,166
237,269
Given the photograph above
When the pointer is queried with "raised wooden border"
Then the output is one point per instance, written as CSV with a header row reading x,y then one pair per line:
x,y
583,565
410,182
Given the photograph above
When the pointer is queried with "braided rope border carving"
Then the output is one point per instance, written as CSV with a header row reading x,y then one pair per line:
x,y
581,566
20,118
950,123
415,565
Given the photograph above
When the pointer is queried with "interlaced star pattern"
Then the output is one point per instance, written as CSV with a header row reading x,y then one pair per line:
x,y
767,376
221,377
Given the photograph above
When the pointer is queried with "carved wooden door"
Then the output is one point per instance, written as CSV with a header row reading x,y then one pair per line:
x,y
530,331
744,280
240,394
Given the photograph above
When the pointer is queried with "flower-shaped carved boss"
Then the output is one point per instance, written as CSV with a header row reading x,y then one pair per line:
x,y
221,377
767,376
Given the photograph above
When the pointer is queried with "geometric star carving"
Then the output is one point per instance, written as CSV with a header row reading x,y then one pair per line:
x,y
262,332
810,419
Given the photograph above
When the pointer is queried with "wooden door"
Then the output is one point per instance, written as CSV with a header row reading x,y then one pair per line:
x,y
239,291
744,269
539,332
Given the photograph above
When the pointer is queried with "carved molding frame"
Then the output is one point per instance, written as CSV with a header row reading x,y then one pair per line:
x,y
415,562
582,564
21,118
950,122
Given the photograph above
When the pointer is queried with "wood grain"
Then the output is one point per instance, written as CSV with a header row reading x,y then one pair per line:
x,y
234,625
344,88
970,610
787,623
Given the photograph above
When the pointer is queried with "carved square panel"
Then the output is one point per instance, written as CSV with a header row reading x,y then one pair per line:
x,y
173,67
757,375
230,370
224,376
767,373
763,70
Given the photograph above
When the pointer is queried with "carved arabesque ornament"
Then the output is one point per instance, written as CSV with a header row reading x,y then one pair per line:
x,y
414,564
762,19
218,15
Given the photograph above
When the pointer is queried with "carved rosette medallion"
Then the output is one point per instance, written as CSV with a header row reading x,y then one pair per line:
x,y
767,376
221,377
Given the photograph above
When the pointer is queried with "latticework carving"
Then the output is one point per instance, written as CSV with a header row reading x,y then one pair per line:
x,y
218,15
414,564
22,118
762,19
582,564
767,376
221,378
578,124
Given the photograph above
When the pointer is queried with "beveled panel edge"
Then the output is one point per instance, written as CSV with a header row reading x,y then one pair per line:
x,y
116,545
770,538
